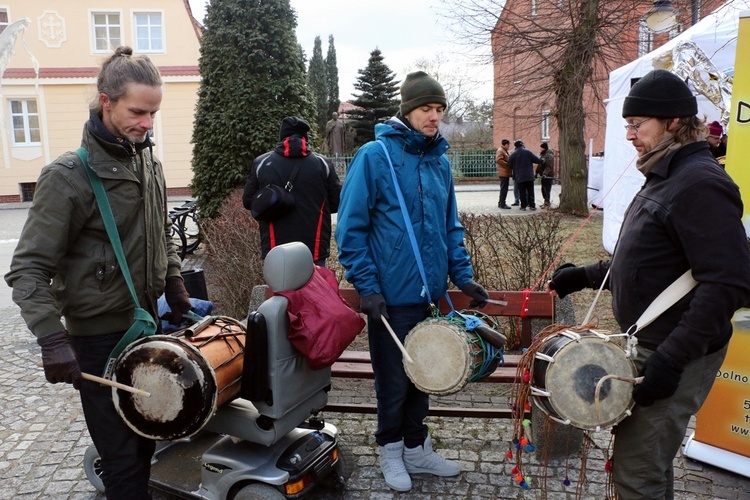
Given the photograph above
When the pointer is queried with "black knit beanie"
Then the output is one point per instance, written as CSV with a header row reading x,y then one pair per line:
x,y
292,125
419,89
660,94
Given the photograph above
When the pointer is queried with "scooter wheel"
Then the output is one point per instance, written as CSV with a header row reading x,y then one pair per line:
x,y
92,466
259,491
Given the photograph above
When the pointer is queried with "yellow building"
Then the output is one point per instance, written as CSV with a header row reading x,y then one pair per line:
x,y
51,53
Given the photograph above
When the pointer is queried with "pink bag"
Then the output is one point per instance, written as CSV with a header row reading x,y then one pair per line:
x,y
322,323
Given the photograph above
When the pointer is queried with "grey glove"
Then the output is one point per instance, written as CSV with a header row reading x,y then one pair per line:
x,y
477,293
374,306
59,359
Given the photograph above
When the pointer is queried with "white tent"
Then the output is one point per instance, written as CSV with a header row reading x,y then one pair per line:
x,y
716,35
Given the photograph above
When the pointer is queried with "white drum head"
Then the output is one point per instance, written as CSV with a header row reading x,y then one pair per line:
x,y
441,355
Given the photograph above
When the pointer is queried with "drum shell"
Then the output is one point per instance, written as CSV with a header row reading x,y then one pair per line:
x,y
445,357
188,380
571,380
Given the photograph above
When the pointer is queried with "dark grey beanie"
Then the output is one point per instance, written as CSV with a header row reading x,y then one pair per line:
x,y
660,94
292,125
419,89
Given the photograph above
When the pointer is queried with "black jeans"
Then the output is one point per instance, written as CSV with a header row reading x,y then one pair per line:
x,y
126,456
402,407
547,188
504,183
526,192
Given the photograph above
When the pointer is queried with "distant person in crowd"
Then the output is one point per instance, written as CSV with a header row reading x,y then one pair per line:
x,y
516,191
316,190
546,170
664,234
380,262
64,264
335,135
714,138
503,172
521,162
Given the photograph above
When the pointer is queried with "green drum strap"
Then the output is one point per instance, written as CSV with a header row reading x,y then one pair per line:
x,y
143,324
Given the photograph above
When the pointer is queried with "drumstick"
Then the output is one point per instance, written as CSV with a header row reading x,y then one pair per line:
x,y
497,302
111,383
636,380
117,385
493,337
397,341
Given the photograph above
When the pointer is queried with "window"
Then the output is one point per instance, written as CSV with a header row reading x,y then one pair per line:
x,y
645,39
25,119
27,191
149,32
3,19
545,124
107,31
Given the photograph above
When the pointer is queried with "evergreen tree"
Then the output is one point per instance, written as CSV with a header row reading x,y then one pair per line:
x,y
253,75
332,72
318,83
375,103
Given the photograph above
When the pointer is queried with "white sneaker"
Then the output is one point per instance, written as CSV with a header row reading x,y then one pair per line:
x,y
392,466
423,460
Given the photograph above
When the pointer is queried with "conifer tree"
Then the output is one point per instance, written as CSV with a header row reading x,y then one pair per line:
x,y
318,84
332,72
378,86
253,75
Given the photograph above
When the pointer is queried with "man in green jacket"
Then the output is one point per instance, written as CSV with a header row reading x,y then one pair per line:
x,y
65,265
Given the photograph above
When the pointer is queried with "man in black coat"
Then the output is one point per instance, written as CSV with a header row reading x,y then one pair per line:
x,y
664,234
521,162
316,189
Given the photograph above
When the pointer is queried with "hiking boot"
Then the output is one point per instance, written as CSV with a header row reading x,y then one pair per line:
x,y
392,466
505,207
423,460
522,208
515,204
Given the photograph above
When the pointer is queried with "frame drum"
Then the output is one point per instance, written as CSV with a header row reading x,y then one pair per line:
x,y
566,371
188,380
446,357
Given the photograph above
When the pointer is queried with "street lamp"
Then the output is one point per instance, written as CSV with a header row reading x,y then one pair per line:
x,y
662,16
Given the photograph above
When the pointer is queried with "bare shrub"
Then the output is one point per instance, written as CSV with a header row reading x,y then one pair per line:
x,y
512,253
234,265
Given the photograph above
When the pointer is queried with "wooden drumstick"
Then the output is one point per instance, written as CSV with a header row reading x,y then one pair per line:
x,y
397,341
497,302
111,383
492,337
117,385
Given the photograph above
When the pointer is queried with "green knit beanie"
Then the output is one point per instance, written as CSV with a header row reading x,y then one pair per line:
x,y
418,89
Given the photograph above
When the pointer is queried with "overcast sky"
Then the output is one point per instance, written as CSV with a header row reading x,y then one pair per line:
x,y
404,31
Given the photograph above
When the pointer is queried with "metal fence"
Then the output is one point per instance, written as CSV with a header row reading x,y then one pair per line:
x,y
464,164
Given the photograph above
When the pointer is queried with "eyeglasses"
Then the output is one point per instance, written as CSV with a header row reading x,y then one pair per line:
x,y
634,127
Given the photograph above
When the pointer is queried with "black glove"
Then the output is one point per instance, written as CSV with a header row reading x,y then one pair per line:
x,y
374,305
177,299
59,359
568,278
660,380
477,293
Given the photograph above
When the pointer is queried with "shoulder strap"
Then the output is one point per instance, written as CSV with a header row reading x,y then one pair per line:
x,y
290,183
143,324
408,224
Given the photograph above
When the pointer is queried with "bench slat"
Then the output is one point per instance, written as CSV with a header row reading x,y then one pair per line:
x,y
343,369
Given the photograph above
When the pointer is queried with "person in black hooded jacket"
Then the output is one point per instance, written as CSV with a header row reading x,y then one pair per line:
x,y
316,189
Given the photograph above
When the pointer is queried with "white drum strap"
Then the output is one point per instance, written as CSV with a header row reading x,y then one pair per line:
x,y
666,299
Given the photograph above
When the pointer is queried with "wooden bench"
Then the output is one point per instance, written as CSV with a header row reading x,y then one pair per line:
x,y
356,364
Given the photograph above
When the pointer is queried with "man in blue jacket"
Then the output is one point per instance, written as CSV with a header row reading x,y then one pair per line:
x,y
379,257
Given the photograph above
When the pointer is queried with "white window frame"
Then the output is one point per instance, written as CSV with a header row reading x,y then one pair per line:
x,y
137,47
645,39
25,116
546,115
108,27
3,25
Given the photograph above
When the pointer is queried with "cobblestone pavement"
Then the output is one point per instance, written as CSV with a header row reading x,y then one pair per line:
x,y
43,438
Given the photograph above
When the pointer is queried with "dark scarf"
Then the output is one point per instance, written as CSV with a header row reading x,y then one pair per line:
x,y
97,128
